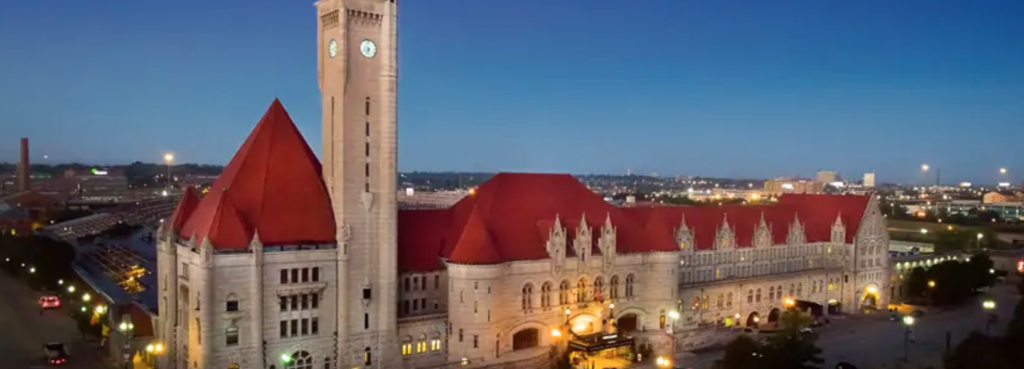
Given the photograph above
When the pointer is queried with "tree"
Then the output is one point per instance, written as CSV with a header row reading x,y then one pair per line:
x,y
795,319
978,351
742,353
917,282
791,349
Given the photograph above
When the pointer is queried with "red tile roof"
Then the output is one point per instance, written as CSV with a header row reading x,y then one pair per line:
x,y
187,205
510,216
516,210
272,186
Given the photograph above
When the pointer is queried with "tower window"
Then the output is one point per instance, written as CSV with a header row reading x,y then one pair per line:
x,y
367,106
366,321
367,129
367,149
367,169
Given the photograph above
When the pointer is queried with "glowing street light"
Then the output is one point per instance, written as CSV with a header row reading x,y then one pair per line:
x,y
556,333
71,289
86,297
988,304
790,302
32,270
285,358
674,315
925,167
60,282
908,320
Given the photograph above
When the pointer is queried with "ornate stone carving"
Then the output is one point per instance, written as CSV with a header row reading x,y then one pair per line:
x,y
763,233
346,233
366,199
684,237
796,234
725,239
583,244
607,243
556,246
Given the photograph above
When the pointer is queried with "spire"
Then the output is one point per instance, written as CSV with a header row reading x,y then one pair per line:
x,y
682,223
583,222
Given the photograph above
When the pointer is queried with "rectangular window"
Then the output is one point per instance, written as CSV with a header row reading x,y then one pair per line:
x,y
367,149
423,283
367,106
284,276
304,301
367,166
305,327
415,305
305,274
435,345
231,336
284,328
295,275
295,302
460,334
423,303
437,282
366,294
316,274
284,303
314,325
314,300
232,305
366,321
406,349
367,129
294,331
405,284
476,341
184,271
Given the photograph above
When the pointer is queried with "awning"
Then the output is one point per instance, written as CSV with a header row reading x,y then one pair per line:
x,y
610,342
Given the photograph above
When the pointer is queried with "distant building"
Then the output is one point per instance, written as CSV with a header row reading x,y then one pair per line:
x,y
999,197
777,187
826,176
869,179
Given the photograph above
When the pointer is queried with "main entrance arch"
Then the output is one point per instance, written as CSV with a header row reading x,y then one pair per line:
x,y
753,319
773,316
526,338
627,323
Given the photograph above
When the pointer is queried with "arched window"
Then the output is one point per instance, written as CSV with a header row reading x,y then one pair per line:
x,y
421,346
300,360
563,293
750,296
613,287
771,293
527,297
407,346
367,357
599,288
728,300
799,289
581,290
757,297
435,342
545,295
721,301
629,285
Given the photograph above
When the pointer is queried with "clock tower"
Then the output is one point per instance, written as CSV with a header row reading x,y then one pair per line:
x,y
358,77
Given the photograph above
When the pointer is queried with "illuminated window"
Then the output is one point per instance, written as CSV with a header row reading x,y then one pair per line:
x,y
421,346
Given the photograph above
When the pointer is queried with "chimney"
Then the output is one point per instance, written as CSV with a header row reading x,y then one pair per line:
x,y
24,169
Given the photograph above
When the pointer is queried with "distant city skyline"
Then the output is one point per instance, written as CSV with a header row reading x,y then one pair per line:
x,y
761,90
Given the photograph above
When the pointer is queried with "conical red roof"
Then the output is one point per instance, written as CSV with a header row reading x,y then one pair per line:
x,y
475,246
187,205
272,186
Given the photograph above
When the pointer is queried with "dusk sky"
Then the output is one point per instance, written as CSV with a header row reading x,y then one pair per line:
x,y
710,87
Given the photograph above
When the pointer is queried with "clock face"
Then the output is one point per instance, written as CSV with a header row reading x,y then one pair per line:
x,y
368,48
332,48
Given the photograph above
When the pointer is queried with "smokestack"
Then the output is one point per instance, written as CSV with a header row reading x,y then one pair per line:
x,y
24,168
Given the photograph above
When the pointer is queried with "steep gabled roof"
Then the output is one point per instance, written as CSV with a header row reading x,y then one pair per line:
x,y
475,246
272,186
186,206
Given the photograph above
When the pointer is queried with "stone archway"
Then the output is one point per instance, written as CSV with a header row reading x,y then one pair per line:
x,y
753,319
773,316
526,338
870,301
627,323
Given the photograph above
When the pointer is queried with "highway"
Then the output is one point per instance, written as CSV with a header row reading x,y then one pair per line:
x,y
23,331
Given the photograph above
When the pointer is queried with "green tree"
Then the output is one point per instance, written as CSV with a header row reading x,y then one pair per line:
x,y
742,353
917,283
795,319
791,349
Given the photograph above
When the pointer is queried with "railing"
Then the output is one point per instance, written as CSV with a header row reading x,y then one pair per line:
x,y
422,318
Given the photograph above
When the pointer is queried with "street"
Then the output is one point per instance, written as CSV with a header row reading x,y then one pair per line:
x,y
871,341
25,331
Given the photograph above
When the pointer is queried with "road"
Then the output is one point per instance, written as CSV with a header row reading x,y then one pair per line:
x,y
871,341
25,331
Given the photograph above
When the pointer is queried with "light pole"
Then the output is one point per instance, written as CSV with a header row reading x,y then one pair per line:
x,y
990,317
908,322
126,328
169,159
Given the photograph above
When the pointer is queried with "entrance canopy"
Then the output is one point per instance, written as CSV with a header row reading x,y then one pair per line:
x,y
599,342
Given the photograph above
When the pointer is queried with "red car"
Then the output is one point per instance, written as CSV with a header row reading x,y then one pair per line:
x,y
49,302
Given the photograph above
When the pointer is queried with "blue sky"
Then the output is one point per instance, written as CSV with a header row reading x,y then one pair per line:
x,y
722,88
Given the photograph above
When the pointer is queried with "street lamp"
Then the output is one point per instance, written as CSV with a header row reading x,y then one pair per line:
x,y
908,322
990,317
86,297
169,159
931,284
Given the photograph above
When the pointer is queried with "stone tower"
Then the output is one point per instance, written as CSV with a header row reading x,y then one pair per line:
x,y
358,77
